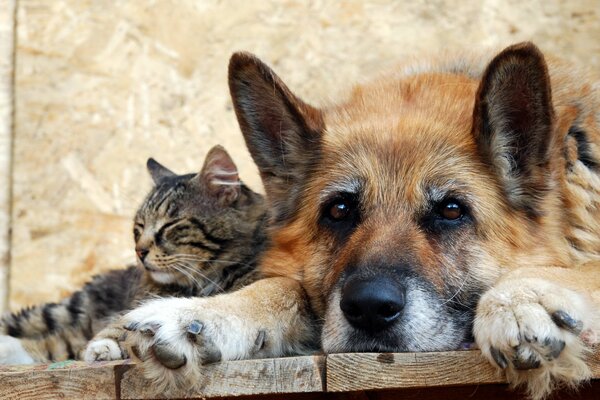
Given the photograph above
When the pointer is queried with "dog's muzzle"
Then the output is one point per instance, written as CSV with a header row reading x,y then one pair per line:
x,y
372,304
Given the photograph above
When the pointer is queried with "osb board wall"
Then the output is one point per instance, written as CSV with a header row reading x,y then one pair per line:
x,y
101,85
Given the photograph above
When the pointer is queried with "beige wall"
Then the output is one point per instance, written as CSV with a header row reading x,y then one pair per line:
x,y
101,85
7,10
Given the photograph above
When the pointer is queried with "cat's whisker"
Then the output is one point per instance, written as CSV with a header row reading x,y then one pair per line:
x,y
192,257
180,269
191,269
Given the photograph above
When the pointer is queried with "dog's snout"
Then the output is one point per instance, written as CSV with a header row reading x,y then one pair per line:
x,y
372,305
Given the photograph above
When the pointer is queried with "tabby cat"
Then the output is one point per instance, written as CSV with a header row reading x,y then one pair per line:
x,y
195,235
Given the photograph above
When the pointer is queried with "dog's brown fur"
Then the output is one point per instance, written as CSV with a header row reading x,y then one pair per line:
x,y
514,144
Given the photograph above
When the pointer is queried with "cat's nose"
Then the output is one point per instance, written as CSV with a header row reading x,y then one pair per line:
x,y
141,253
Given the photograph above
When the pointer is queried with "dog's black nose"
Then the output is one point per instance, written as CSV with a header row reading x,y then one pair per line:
x,y
372,305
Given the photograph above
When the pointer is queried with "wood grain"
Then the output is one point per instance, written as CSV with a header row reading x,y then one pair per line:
x,y
67,380
235,378
354,376
364,371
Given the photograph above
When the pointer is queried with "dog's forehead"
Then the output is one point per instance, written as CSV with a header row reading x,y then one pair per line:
x,y
403,135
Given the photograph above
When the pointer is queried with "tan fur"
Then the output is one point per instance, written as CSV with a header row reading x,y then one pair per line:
x,y
402,135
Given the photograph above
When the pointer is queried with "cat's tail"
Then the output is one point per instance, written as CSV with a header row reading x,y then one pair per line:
x,y
67,344
60,331
48,332
46,319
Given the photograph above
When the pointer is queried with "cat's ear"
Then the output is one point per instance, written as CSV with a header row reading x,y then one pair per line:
x,y
282,133
157,171
220,175
513,123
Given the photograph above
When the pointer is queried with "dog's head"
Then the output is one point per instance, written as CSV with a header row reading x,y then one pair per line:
x,y
398,207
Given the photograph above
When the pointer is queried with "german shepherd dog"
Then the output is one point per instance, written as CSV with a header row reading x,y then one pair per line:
x,y
454,199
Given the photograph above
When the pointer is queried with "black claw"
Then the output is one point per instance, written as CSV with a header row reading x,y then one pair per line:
x,y
167,357
531,339
499,357
149,329
556,347
132,326
565,321
211,355
136,352
531,362
194,329
259,343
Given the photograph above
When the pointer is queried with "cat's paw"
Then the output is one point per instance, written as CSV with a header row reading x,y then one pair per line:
x,y
538,332
173,338
13,352
103,350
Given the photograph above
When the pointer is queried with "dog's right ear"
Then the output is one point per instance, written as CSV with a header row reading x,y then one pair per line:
x,y
513,123
283,134
157,171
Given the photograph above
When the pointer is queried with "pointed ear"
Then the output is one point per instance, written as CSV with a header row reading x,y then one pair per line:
x,y
220,175
157,171
283,134
513,123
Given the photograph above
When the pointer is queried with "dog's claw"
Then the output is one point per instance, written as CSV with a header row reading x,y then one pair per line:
x,y
132,326
259,343
556,347
194,329
149,329
565,321
523,361
167,357
499,357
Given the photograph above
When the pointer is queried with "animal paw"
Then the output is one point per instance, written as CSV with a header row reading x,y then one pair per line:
x,y
12,351
173,338
537,332
103,350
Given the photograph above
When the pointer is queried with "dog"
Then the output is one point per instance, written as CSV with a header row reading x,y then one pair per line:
x,y
455,199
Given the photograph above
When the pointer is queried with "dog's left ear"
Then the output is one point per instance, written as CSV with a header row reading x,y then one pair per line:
x,y
283,133
513,123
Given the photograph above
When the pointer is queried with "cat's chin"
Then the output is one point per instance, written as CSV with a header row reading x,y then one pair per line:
x,y
163,277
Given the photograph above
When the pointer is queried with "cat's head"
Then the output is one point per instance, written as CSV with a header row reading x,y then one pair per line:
x,y
188,222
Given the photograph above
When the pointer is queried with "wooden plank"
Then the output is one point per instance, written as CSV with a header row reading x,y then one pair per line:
x,y
235,378
68,380
365,371
356,376
368,371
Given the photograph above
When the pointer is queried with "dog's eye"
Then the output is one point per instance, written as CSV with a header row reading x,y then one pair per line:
x,y
342,208
339,210
451,210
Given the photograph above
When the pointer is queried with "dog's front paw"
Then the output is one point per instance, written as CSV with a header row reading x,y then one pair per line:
x,y
12,351
538,332
173,338
103,350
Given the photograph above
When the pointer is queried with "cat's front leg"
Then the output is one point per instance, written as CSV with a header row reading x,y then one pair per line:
x,y
107,345
174,337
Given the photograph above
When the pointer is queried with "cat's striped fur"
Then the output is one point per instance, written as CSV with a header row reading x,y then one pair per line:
x,y
196,235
